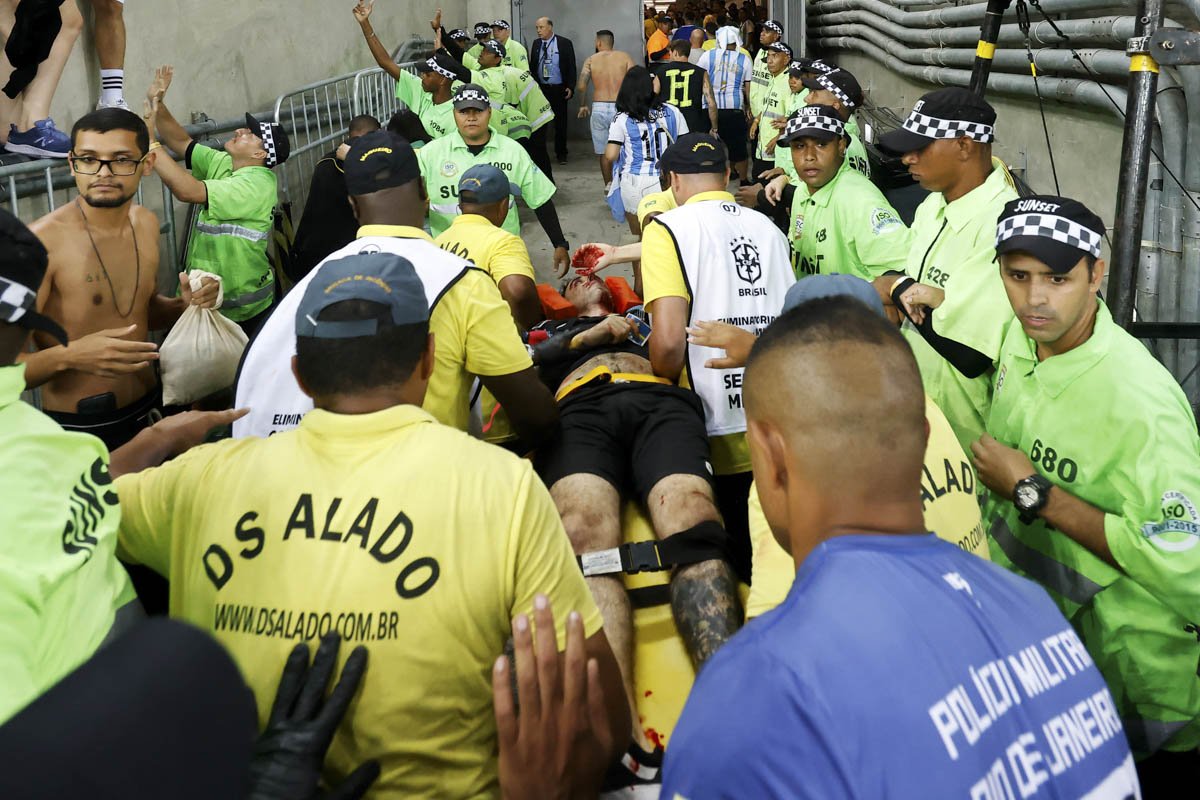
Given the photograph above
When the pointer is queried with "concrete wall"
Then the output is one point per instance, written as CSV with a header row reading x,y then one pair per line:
x,y
234,55
1087,143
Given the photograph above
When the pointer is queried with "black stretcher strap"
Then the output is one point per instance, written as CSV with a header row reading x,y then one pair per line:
x,y
703,542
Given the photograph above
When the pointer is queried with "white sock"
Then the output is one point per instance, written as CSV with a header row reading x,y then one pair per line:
x,y
112,85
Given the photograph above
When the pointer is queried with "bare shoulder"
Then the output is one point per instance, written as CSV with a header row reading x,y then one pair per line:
x,y
144,220
54,227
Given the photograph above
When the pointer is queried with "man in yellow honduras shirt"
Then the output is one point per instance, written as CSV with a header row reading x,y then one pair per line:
x,y
372,520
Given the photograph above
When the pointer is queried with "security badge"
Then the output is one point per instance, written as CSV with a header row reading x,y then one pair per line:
x,y
798,228
449,169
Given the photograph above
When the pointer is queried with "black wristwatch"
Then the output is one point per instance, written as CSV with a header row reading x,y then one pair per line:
x,y
1030,496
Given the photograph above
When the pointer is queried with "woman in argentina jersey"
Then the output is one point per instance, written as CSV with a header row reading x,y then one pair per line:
x,y
643,128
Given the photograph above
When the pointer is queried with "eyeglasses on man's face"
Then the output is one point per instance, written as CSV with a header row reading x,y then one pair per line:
x,y
123,166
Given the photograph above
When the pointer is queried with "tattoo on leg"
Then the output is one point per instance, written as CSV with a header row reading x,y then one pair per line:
x,y
707,609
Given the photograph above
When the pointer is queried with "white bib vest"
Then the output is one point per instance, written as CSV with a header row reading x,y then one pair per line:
x,y
737,266
265,382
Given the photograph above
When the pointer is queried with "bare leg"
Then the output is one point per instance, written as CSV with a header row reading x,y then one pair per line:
x,y
40,92
743,170
10,109
110,33
604,176
704,596
590,508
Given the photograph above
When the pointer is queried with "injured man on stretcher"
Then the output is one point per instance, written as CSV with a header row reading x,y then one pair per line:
x,y
626,432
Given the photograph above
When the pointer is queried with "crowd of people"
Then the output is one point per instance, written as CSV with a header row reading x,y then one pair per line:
x,y
927,514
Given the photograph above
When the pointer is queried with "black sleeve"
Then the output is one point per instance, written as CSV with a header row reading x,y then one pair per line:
x,y
968,361
570,69
548,216
187,155
451,47
660,53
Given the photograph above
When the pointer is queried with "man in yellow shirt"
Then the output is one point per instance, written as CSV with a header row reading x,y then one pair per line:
x,y
476,235
947,482
376,522
474,328
712,259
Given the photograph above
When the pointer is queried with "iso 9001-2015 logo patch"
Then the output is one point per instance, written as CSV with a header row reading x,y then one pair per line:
x,y
1179,529
449,169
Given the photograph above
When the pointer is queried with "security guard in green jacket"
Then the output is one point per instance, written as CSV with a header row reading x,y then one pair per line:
x,y
1093,462
841,223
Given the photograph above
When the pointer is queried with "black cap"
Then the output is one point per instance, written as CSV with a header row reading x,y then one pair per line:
x,y
441,63
502,24
274,139
695,154
386,279
459,35
495,47
23,262
1057,231
666,19
379,160
470,95
773,25
815,65
813,122
483,29
841,84
944,114
781,47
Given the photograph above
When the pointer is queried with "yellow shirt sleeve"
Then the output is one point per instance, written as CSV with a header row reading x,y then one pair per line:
x,y
154,502
510,257
493,344
542,561
662,274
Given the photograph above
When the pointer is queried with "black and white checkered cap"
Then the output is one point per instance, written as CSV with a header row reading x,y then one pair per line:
x,y
471,95
1050,226
825,83
781,47
774,25
15,300
495,47
939,128
483,29
820,122
274,138
432,65
502,24
1058,231
458,35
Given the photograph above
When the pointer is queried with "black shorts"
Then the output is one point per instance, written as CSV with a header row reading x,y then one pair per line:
x,y
733,129
631,435
117,426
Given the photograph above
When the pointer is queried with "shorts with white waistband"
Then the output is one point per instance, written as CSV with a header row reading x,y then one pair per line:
x,y
602,117
635,187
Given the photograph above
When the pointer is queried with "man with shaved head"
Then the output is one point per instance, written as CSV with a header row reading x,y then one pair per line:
x,y
888,634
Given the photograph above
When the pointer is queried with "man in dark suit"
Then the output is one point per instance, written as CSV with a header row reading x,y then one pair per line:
x,y
552,62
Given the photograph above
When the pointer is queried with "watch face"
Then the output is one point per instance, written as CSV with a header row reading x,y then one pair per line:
x,y
1026,496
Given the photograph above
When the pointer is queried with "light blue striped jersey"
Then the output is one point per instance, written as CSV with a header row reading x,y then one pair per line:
x,y
727,70
643,142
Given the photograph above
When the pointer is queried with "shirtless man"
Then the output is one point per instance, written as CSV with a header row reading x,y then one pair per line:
x,y
101,285
606,69
625,429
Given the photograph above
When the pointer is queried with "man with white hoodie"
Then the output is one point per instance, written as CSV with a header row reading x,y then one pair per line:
x,y
729,71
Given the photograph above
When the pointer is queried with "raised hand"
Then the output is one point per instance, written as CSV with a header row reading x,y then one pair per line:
x,y
362,11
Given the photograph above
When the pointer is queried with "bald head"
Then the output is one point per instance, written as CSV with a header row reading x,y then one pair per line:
x,y
836,416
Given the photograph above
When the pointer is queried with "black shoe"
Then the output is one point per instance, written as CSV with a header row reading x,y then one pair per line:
x,y
636,768
562,159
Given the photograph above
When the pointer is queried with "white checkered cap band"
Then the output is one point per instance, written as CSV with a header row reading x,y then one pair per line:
x,y
471,94
772,25
1050,226
267,134
15,300
938,128
501,24
813,122
820,66
834,89
439,69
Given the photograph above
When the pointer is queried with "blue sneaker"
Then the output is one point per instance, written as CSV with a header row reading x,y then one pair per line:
x,y
43,140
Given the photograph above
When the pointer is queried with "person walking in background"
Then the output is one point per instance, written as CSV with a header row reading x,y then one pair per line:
x,y
552,62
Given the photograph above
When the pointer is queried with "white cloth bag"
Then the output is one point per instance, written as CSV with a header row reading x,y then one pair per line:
x,y
201,353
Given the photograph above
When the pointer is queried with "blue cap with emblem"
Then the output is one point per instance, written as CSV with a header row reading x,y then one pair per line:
x,y
486,184
819,287
385,279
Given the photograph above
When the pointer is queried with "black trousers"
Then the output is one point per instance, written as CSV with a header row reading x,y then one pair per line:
x,y
556,93
535,145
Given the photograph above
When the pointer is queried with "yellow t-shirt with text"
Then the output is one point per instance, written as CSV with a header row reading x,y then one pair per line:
x,y
947,496
403,535
494,250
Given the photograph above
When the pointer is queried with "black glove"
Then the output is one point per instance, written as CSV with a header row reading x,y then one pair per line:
x,y
290,753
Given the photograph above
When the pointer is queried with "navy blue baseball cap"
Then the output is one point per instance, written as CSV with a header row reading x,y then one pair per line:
x,y
487,183
383,278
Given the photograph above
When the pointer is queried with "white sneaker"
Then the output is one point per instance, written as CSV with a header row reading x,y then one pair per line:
x,y
119,104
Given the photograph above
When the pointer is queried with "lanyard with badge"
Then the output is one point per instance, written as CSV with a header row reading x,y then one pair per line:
x,y
546,60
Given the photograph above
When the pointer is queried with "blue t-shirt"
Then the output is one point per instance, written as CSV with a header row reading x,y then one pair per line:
x,y
901,666
683,32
